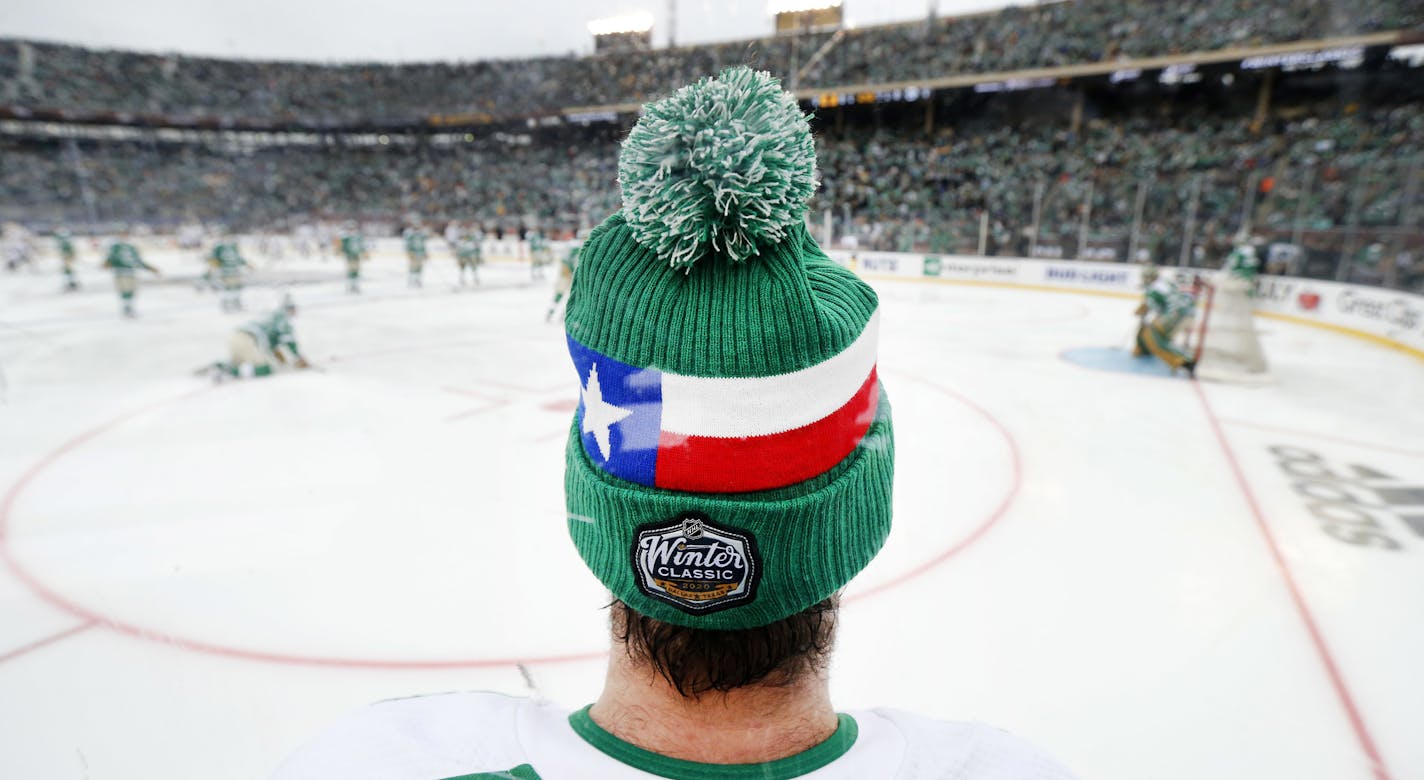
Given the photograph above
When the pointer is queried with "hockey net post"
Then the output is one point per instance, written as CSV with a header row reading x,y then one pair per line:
x,y
1228,347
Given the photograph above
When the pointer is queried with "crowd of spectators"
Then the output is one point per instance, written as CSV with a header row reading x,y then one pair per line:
x,y
560,185
1304,176
1081,31
50,76
1333,175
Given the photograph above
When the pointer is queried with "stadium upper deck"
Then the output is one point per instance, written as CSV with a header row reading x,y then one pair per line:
x,y
77,84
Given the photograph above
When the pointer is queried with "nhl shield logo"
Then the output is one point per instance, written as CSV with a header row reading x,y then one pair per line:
x,y
694,564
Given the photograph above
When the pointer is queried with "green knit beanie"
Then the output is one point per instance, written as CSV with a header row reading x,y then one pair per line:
x,y
731,459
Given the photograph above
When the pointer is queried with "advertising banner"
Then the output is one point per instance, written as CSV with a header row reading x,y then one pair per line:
x,y
1388,315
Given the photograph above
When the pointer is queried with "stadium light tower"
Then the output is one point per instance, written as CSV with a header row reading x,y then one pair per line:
x,y
622,32
793,16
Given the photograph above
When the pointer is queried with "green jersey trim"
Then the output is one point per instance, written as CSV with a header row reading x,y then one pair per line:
x,y
782,769
521,772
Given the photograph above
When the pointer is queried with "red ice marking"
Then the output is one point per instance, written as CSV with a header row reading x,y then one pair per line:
x,y
562,406
1016,483
527,390
96,619
1325,437
476,410
1332,669
470,393
47,641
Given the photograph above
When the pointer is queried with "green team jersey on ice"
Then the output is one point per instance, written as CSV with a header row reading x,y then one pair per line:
x,y
66,247
273,332
415,243
227,258
470,247
352,246
1242,263
571,260
1165,299
124,259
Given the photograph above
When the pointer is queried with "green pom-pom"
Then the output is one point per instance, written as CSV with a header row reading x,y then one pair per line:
x,y
726,164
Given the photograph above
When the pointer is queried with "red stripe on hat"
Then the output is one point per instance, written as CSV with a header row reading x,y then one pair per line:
x,y
709,464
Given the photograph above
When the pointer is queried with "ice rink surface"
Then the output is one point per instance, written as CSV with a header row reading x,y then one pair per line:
x,y
1153,578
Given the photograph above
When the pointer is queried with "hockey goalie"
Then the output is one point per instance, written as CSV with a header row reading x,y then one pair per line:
x,y
1163,316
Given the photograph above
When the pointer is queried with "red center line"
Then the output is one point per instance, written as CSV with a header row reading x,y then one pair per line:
x,y
1332,669
46,641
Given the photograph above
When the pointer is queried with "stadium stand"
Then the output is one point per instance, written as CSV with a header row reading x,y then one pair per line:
x,y
1116,163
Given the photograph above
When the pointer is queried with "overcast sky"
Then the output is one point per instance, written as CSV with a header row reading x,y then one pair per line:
x,y
400,30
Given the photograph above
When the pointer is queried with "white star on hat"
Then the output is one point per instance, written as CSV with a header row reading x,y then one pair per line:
x,y
598,414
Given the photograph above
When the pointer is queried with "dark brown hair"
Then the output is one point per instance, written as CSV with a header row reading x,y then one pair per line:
x,y
698,660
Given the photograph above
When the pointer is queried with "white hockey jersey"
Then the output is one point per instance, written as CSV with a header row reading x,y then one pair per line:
x,y
488,736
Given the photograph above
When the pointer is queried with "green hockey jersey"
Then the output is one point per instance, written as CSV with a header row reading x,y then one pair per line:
x,y
1165,299
415,243
470,247
273,332
124,259
352,246
1243,263
227,259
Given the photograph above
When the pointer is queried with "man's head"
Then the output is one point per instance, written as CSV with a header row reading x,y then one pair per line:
x,y
289,305
730,464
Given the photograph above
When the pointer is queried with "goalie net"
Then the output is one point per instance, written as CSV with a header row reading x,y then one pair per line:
x,y
1228,348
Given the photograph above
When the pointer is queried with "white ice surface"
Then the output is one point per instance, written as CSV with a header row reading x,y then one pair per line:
x,y
211,573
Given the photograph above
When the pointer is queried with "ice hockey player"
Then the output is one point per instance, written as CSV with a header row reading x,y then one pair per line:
x,y
540,255
724,575
1163,310
1242,262
227,263
256,345
125,261
566,279
65,245
470,254
353,248
415,253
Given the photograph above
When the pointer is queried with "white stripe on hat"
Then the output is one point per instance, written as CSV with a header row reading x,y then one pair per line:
x,y
732,407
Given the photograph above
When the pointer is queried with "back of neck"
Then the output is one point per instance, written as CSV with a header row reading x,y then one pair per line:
x,y
748,725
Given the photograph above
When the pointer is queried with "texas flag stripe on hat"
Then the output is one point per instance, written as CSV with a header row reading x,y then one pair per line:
x,y
725,434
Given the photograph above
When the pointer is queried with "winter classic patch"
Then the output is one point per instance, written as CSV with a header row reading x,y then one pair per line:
x,y
695,564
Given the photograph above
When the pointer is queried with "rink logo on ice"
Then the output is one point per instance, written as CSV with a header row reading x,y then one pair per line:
x,y
695,564
1353,503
